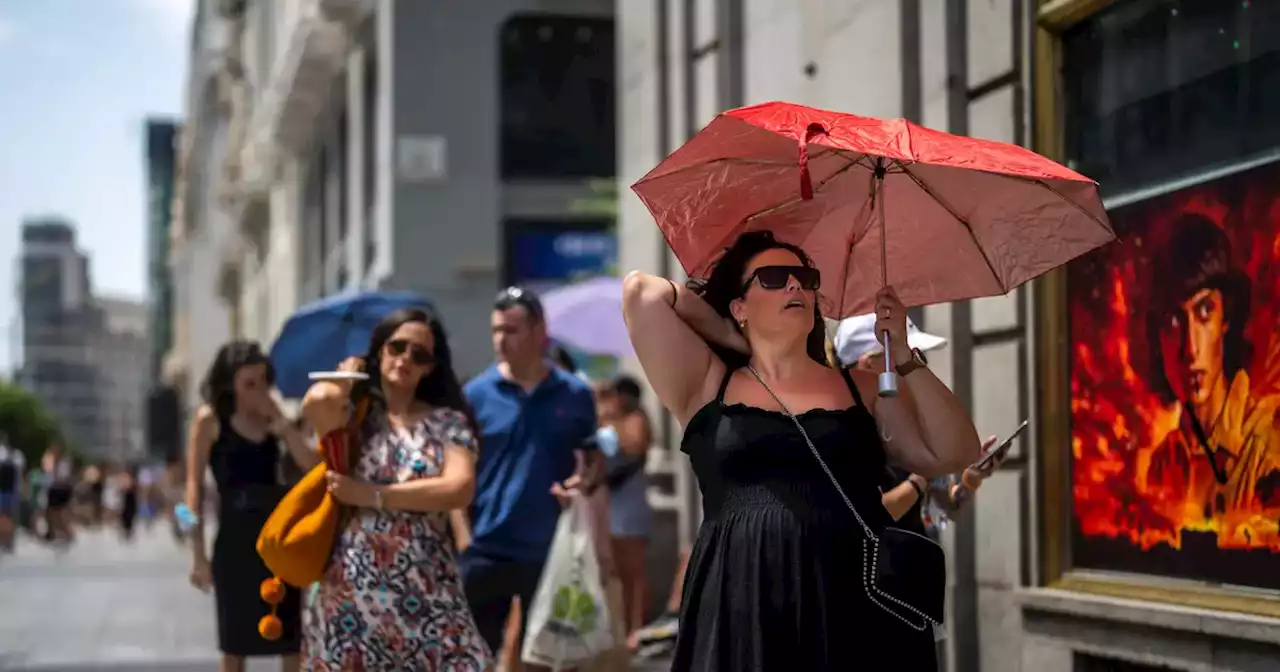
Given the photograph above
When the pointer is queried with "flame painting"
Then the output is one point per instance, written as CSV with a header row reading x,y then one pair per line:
x,y
1175,385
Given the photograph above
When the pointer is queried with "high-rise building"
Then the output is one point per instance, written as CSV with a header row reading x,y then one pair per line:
x,y
161,157
162,411
59,323
121,351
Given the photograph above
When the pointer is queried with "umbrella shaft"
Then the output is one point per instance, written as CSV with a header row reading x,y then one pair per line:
x,y
878,200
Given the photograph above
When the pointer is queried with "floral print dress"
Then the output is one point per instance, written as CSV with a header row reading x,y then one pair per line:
x,y
392,597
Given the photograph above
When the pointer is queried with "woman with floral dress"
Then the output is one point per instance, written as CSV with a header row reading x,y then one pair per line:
x,y
392,598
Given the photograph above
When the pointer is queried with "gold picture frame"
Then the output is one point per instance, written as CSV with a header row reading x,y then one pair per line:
x,y
1052,351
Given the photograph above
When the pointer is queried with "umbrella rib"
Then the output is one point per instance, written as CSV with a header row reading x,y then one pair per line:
x,y
1059,194
951,211
796,199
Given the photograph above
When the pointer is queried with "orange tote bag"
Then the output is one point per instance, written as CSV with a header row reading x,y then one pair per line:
x,y
297,539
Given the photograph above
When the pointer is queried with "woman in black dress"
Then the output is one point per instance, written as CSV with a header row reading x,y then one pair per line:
x,y
774,581
237,434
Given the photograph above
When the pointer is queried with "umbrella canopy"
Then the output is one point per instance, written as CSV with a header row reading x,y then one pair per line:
x,y
320,335
588,316
939,217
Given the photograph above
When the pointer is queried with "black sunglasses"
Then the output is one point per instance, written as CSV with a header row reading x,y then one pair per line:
x,y
776,277
417,354
519,296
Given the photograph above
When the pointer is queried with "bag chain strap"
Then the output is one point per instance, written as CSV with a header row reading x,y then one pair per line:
x,y
871,538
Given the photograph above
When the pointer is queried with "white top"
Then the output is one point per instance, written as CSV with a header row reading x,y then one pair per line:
x,y
16,457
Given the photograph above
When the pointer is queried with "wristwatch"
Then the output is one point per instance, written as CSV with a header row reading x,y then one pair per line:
x,y
917,361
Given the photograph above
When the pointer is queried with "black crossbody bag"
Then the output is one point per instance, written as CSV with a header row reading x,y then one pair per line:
x,y
904,573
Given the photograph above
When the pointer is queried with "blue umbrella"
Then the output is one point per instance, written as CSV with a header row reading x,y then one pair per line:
x,y
320,335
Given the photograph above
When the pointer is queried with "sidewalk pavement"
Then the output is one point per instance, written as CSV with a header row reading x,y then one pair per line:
x,y
106,605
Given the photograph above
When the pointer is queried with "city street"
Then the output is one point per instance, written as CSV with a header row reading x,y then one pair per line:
x,y
105,605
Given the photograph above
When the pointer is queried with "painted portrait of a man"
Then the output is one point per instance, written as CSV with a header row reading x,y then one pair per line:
x,y
1175,386
1218,468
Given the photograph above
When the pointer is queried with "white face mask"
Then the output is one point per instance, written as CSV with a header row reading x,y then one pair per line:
x,y
607,440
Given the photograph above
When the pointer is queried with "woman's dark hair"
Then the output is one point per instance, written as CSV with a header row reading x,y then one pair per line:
x,y
440,388
218,389
724,285
1198,257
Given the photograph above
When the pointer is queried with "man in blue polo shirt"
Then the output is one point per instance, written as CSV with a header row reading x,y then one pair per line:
x,y
536,421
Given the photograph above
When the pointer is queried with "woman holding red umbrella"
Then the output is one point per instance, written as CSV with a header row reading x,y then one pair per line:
x,y
789,455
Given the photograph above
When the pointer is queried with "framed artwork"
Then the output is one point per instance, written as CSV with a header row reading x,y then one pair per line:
x,y
1132,430
1174,375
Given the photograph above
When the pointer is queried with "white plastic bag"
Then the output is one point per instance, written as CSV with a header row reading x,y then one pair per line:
x,y
569,618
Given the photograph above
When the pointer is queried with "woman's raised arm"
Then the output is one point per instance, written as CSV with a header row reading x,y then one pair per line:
x,y
670,327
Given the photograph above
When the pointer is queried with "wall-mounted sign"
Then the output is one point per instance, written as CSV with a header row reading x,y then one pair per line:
x,y
421,158
563,256
542,255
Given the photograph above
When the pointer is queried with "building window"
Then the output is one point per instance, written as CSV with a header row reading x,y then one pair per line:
x,y
1160,89
312,231
370,158
322,229
334,200
266,43
1087,663
341,160
1171,106
557,97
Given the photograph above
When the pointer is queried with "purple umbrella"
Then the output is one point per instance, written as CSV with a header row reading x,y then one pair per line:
x,y
587,316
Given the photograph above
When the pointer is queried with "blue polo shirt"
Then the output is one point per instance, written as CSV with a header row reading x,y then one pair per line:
x,y
528,443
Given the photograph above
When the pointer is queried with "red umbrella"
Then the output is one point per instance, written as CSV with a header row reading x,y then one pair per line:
x,y
875,202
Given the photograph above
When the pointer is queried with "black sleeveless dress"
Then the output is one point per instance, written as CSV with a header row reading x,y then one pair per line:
x,y
248,491
774,582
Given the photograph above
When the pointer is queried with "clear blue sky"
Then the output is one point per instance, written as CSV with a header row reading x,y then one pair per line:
x,y
77,80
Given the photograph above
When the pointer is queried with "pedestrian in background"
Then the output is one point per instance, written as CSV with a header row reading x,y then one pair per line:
x,y
129,500
237,434
12,466
94,479
59,488
537,422
624,437
598,504
855,344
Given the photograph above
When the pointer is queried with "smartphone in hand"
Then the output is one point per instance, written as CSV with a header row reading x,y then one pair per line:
x,y
995,455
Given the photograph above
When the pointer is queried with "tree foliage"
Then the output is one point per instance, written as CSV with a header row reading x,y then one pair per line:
x,y
602,200
29,426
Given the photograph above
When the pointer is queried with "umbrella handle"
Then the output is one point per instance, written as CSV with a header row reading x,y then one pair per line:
x,y
888,378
